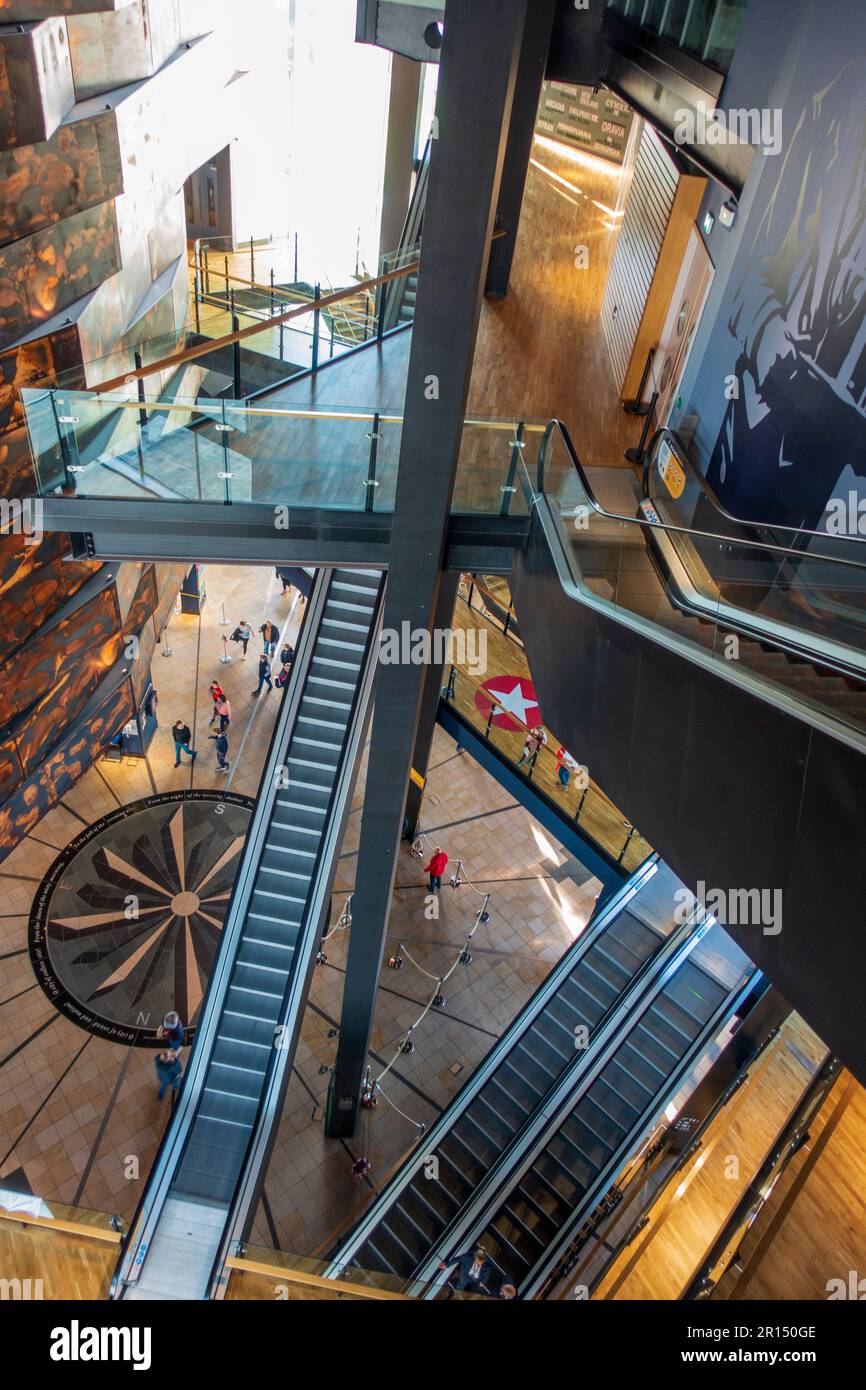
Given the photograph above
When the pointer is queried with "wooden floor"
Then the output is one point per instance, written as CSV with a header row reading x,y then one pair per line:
x,y
686,1220
599,817
68,1266
821,1235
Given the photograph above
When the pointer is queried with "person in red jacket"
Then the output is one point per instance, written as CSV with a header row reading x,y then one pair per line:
x,y
436,869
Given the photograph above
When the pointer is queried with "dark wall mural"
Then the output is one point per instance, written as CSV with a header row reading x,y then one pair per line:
x,y
780,381
34,582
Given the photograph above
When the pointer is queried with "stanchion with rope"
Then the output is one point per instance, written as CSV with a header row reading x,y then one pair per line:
x,y
343,923
224,622
226,657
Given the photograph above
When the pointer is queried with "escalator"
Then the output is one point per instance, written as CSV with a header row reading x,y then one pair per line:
x,y
715,683
618,1105
206,1175
551,1042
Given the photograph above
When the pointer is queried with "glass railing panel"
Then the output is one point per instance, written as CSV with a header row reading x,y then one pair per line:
x,y
383,485
304,458
487,471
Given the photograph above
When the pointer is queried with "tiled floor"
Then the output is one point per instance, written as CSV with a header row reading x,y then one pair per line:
x,y
79,1115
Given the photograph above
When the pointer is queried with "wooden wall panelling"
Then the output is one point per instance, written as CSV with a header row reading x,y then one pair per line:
x,y
690,191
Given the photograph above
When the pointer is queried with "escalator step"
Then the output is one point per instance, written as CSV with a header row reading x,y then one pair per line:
x,y
613,1104
413,1202
647,1041
567,1185
543,1053
521,1075
463,1159
452,1174
514,1109
595,1118
580,994
544,1199
473,1138
606,965
557,1036
629,1060
627,933
673,1021
516,1236
626,1083
597,975
569,1148
490,1122
695,992
531,1217
404,1229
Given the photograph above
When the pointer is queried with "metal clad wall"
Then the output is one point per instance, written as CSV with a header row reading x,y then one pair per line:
x,y
647,212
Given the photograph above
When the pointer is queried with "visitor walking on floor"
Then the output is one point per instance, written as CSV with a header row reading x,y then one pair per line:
x,y
264,674
270,636
182,736
535,739
224,710
172,1031
565,765
436,869
222,747
217,694
244,634
168,1071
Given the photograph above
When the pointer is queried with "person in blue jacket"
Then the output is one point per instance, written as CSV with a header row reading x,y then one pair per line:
x,y
474,1271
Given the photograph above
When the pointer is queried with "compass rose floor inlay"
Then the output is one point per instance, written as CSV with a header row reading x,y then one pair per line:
x,y
126,923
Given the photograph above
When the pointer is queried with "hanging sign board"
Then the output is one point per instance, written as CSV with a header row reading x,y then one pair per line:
x,y
597,122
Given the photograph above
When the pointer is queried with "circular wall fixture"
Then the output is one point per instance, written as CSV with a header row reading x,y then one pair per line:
x,y
126,923
433,34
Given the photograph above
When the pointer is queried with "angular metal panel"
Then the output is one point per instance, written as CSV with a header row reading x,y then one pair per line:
x,y
36,89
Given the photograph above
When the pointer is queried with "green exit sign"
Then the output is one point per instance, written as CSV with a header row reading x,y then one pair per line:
x,y
709,222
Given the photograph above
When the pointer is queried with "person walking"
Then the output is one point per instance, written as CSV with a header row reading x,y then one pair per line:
x,y
168,1071
535,739
224,710
287,655
282,578
182,736
222,747
172,1031
217,694
473,1270
565,766
264,674
245,633
270,636
436,869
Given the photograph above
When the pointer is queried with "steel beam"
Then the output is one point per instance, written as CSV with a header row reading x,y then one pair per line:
x,y
435,676
530,74
478,71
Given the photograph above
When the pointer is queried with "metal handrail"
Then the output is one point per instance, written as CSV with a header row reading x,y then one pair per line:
x,y
668,527
714,500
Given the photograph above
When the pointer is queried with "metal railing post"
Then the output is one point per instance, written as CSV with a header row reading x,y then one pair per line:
x,y
236,354
252,263
316,317
196,257
272,291
296,258
372,484
142,414
509,488
282,328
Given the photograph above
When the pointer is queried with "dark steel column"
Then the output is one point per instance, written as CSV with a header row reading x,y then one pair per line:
x,y
480,53
530,74
435,676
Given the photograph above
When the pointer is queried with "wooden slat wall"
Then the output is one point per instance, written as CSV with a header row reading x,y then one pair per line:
x,y
648,209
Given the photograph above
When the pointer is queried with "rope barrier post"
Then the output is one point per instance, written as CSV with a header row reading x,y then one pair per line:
x,y
226,656
639,406
224,620
637,455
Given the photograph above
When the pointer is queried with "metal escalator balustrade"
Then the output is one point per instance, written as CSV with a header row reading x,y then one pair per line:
x,y
217,1139
591,1135
485,1123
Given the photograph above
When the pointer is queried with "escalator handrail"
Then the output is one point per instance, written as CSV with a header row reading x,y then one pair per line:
x,y
531,1011
644,985
669,527
291,1007
665,431
173,1142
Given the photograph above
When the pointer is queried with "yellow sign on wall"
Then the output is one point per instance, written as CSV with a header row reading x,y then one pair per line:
x,y
416,778
671,471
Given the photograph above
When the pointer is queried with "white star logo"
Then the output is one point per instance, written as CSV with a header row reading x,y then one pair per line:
x,y
514,701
